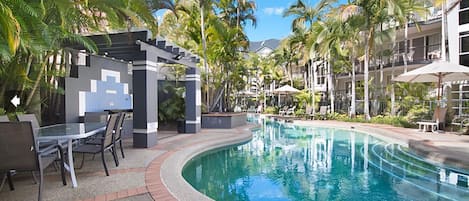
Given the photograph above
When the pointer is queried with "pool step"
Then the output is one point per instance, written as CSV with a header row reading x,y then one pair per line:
x,y
396,161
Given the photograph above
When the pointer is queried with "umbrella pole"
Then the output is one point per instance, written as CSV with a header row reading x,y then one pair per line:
x,y
438,105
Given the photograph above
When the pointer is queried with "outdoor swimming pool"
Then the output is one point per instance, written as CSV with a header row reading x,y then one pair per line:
x,y
285,162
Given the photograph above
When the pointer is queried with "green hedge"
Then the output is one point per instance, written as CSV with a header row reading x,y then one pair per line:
x,y
380,119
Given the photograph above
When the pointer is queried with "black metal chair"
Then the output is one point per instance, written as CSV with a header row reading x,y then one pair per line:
x,y
19,152
29,117
118,132
35,125
96,117
4,118
107,143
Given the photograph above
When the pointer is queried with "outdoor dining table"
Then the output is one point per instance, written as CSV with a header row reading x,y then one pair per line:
x,y
69,132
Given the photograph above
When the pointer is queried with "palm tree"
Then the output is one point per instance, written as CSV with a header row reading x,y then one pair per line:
x,y
237,12
305,16
371,14
38,32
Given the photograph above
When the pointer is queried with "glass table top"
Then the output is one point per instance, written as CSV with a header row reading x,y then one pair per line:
x,y
70,130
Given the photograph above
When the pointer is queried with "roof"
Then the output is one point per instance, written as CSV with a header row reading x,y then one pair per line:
x,y
132,46
255,46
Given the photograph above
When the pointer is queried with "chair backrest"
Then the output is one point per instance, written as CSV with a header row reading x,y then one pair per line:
x,y
96,117
108,137
4,118
29,117
17,147
323,110
118,127
440,114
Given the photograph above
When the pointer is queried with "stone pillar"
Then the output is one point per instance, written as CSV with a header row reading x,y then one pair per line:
x,y
145,103
193,100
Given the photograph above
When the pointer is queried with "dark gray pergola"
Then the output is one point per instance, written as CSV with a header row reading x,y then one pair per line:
x,y
146,54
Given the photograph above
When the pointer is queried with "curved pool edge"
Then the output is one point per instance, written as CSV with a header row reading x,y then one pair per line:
x,y
171,168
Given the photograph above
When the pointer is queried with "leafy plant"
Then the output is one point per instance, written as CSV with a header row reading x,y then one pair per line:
x,y
270,110
173,108
417,113
300,112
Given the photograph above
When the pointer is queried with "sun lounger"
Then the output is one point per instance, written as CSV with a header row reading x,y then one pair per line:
x,y
433,125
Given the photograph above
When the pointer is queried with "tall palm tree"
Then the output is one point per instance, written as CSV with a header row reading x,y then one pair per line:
x,y
237,12
304,17
371,14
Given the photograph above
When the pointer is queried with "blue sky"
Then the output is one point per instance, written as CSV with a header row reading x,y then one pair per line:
x,y
270,20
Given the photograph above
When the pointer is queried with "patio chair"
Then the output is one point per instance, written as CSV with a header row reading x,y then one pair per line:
x,y
439,116
19,152
283,111
290,111
96,117
460,121
323,112
35,125
107,143
309,112
99,117
117,134
4,118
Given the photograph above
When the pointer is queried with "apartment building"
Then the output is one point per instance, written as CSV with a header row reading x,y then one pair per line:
x,y
458,49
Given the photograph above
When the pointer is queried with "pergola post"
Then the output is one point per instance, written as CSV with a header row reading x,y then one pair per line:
x,y
193,100
145,103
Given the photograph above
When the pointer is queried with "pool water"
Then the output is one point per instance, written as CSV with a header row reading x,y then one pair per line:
x,y
285,162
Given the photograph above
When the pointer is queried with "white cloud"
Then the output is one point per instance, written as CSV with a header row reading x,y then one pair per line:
x,y
274,11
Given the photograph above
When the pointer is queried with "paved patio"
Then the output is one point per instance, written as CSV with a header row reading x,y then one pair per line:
x,y
155,173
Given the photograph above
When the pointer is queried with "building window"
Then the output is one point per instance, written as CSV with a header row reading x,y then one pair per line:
x,y
464,59
464,4
464,45
433,46
321,72
464,17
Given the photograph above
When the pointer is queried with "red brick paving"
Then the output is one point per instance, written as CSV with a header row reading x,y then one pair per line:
x,y
153,183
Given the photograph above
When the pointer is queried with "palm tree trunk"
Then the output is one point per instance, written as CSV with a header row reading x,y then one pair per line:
x,y
404,57
38,80
366,109
352,103
393,93
443,31
313,86
331,85
204,46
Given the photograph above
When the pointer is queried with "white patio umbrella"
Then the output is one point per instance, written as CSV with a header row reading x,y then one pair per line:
x,y
438,71
244,94
285,90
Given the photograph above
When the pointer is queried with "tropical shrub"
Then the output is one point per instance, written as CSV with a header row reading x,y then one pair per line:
x,y
417,113
270,110
300,112
173,108
380,119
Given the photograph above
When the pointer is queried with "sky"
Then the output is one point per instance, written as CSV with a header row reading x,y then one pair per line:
x,y
270,20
